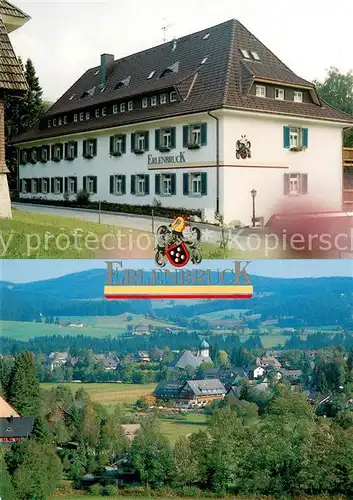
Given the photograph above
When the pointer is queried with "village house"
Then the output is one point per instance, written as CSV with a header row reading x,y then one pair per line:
x,y
194,360
193,393
13,427
191,123
108,362
142,330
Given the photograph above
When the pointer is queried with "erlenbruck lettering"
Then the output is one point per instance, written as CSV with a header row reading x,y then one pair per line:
x,y
162,160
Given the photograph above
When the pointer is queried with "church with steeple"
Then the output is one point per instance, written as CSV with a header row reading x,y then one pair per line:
x,y
194,360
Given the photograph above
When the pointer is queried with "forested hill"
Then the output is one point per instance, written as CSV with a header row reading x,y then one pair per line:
x,y
314,301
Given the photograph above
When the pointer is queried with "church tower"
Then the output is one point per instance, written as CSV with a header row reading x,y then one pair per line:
x,y
204,351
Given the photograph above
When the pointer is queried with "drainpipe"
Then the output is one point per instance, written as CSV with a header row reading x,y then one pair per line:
x,y
217,160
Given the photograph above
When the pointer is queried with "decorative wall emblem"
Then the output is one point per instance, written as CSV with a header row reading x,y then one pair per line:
x,y
243,148
178,243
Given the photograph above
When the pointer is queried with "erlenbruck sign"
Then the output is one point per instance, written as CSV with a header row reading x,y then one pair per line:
x,y
177,283
163,160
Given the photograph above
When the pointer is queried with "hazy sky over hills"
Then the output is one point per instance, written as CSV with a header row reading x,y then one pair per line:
x,y
66,37
22,271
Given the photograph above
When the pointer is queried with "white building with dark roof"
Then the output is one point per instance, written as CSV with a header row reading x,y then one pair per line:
x,y
195,123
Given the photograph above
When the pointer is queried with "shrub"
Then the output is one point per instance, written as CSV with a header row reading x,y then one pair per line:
x,y
95,490
110,491
82,197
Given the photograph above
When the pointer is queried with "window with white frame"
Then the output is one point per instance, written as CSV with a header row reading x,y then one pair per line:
x,y
54,122
71,150
90,185
65,120
96,113
49,123
57,185
34,186
59,121
118,144
130,105
88,115
144,102
71,185
44,154
57,152
141,141
75,117
195,183
118,184
90,148
166,138
173,96
298,96
104,111
24,156
122,107
166,184
81,117
34,155
154,100
140,184
260,91
279,94
294,184
294,137
115,109
195,134
45,186
163,98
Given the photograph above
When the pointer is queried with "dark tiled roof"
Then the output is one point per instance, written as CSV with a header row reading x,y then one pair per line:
x,y
222,82
16,427
206,387
11,74
8,9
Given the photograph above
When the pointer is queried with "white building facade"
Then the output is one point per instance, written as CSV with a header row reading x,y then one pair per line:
x,y
281,141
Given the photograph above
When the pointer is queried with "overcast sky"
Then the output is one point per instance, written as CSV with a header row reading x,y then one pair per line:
x,y
64,38
23,271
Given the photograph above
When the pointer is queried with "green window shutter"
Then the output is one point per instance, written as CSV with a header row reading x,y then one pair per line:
x,y
111,184
133,141
52,151
66,184
84,148
123,184
304,184
61,151
123,144
147,135
204,183
66,149
21,185
133,184
84,185
52,185
185,184
94,147
157,183
95,185
157,133
286,184
204,134
185,136
286,137
61,185
147,184
39,153
75,185
305,137
173,137
173,183
111,148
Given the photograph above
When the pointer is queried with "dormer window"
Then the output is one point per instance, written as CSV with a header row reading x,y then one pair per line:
x,y
163,98
130,105
81,117
279,94
104,111
96,113
59,121
166,72
171,69
245,54
49,123
88,115
54,122
255,55
153,100
122,107
173,96
115,109
119,85
151,75
260,91
84,95
298,96
65,120
144,102
123,83
75,117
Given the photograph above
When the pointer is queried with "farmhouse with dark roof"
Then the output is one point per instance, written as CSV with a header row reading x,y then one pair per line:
x,y
198,123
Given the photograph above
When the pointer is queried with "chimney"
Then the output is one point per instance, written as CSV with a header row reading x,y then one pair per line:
x,y
106,61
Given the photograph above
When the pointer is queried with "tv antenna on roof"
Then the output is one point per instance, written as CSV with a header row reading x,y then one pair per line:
x,y
165,29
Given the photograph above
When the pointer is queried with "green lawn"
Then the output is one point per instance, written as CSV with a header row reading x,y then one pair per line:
x,y
176,426
110,394
31,235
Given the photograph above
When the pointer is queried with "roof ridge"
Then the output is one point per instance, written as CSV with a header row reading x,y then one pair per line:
x,y
230,58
